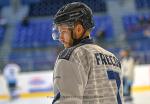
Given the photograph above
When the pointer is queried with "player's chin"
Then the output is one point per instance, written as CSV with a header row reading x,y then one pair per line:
x,y
66,45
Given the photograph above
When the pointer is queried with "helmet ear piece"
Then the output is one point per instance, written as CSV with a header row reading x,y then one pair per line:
x,y
88,24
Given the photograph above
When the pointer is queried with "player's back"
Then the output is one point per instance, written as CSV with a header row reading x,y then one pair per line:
x,y
104,84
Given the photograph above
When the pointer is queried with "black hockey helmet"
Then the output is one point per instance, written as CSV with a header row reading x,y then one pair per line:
x,y
73,12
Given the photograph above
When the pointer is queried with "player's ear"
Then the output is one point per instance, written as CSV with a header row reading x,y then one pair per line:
x,y
79,30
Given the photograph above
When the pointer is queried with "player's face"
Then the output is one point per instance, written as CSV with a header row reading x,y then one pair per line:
x,y
65,35
123,53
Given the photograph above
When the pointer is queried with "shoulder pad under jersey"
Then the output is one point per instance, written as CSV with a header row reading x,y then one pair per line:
x,y
66,53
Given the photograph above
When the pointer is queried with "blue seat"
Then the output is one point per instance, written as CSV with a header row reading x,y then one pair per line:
x,y
21,58
50,7
132,26
103,23
2,34
37,34
28,2
141,3
4,3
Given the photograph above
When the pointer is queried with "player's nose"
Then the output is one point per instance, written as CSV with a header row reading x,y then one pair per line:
x,y
61,38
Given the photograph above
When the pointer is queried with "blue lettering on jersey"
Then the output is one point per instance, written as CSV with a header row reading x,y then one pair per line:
x,y
112,75
56,98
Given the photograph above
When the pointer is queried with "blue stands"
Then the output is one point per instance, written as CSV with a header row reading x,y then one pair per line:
x,y
2,33
103,23
36,34
28,2
141,4
50,7
34,59
4,3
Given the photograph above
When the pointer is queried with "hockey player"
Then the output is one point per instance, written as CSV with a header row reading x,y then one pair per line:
x,y
84,73
128,64
11,71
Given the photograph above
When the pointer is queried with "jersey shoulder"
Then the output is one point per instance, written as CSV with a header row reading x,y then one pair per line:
x,y
66,53
93,48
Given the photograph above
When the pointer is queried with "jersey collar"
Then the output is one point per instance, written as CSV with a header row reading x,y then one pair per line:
x,y
86,40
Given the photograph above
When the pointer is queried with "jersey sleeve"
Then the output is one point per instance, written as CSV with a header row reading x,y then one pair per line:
x,y
69,82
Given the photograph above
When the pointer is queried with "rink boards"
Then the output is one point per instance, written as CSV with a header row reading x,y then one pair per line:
x,y
40,84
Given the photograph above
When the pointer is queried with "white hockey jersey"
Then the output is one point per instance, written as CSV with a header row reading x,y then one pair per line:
x,y
87,74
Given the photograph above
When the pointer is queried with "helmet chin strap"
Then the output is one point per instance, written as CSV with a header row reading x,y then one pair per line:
x,y
76,41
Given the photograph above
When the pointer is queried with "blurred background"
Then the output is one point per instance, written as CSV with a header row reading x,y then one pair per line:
x,y
25,39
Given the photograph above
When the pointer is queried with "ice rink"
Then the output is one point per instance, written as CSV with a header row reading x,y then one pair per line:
x,y
139,98
34,34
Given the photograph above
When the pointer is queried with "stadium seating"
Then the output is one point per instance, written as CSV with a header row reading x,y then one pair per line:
x,y
38,32
24,2
4,3
140,45
135,28
139,52
28,2
132,22
141,4
115,50
31,43
2,33
50,7
103,23
34,59
44,60
22,59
